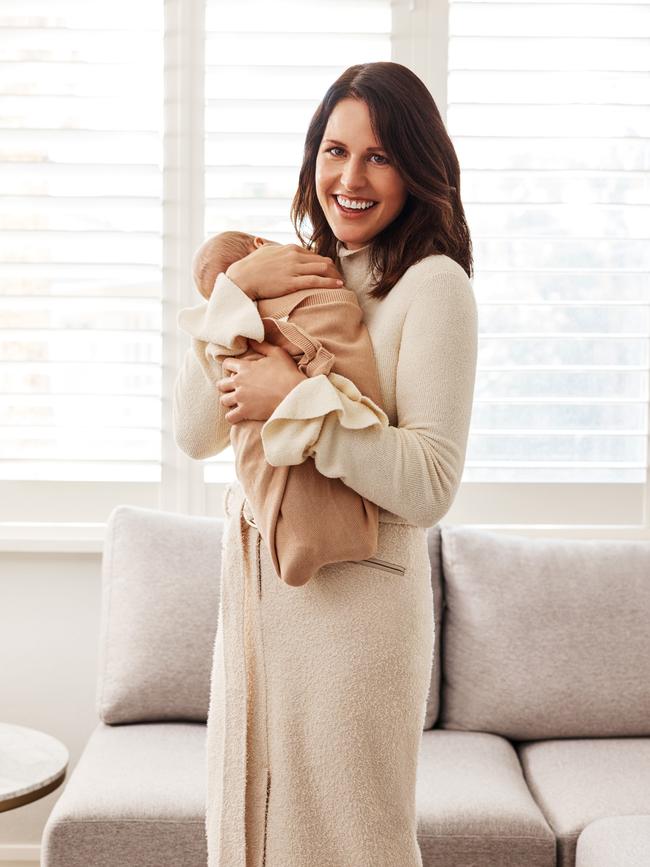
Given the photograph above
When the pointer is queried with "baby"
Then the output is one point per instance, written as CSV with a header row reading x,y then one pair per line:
x,y
285,499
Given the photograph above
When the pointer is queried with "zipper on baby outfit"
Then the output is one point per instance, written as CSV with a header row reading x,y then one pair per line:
x,y
384,564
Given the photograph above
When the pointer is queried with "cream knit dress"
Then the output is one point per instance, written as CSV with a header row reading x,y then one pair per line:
x,y
318,692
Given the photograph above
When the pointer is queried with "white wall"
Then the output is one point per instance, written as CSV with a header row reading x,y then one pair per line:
x,y
49,633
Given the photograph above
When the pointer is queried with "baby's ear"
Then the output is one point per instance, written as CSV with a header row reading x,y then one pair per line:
x,y
264,242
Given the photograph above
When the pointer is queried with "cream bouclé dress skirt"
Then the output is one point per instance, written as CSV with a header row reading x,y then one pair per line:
x,y
317,704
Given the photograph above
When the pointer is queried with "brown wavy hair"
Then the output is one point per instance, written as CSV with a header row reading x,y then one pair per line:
x,y
407,123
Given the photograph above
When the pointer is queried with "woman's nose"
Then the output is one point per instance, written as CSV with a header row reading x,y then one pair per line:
x,y
352,176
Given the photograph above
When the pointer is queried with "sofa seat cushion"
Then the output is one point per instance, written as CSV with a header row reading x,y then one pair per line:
x,y
617,841
474,806
136,798
576,781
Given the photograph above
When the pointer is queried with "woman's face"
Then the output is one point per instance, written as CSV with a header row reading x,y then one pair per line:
x,y
352,164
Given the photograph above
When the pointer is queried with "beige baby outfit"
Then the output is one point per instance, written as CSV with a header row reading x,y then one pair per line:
x,y
306,519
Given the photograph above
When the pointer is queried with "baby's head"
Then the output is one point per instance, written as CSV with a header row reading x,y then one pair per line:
x,y
218,253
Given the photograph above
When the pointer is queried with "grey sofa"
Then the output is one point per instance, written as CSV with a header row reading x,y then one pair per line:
x,y
536,748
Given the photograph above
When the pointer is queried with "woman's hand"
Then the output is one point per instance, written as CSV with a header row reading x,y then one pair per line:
x,y
278,269
257,385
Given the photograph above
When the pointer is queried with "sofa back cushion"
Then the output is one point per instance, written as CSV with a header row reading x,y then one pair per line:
x,y
160,605
545,638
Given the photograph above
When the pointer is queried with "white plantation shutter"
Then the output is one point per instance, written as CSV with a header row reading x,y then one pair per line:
x,y
80,256
547,105
267,66
549,112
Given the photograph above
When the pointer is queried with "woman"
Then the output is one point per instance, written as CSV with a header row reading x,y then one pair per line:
x,y
319,692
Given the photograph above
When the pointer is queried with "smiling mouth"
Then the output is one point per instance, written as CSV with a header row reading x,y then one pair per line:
x,y
352,212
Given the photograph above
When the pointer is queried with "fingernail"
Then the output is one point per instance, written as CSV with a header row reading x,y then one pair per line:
x,y
339,282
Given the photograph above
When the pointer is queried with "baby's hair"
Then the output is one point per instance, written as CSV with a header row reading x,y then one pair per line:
x,y
216,255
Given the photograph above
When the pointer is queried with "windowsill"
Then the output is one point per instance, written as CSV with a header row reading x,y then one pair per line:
x,y
61,538
53,538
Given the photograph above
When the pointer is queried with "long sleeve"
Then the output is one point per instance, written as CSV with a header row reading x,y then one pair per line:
x,y
217,326
413,469
287,435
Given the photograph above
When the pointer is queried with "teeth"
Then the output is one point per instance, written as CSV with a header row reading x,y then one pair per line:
x,y
348,203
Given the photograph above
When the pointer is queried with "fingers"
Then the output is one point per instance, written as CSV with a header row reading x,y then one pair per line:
x,y
225,384
313,267
228,399
311,254
297,248
262,348
310,281
296,268
332,271
322,265
231,365
234,416
317,271
318,258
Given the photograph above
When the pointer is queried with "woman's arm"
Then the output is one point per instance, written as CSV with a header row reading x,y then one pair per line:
x,y
200,429
217,326
414,469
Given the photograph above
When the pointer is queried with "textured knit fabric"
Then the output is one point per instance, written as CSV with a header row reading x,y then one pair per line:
x,y
323,331
615,841
318,693
317,705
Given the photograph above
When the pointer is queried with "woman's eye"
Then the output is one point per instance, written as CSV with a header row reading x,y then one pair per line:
x,y
336,148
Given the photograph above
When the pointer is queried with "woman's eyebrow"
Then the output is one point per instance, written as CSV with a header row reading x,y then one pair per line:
x,y
373,148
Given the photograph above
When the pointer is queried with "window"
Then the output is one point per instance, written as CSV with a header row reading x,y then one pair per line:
x,y
80,258
132,131
548,109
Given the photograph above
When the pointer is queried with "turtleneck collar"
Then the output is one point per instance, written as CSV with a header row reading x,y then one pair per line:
x,y
354,265
342,251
